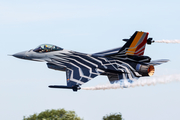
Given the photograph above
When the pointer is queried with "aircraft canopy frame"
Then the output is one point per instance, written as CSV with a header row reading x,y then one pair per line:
x,y
47,48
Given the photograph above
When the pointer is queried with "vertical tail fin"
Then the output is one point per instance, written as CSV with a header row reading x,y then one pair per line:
x,y
135,45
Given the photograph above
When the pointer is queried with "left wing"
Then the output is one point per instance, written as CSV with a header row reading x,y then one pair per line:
x,y
77,76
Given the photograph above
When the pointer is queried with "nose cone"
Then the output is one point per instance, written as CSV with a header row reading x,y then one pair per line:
x,y
20,55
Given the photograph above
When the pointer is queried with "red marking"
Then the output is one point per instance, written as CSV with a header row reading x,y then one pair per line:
x,y
140,51
143,43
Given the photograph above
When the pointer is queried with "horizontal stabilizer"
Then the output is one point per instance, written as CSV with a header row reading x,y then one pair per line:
x,y
75,88
158,62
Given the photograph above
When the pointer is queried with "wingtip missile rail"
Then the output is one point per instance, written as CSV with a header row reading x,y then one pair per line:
x,y
74,88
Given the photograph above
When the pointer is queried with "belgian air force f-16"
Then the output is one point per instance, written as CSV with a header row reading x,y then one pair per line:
x,y
123,63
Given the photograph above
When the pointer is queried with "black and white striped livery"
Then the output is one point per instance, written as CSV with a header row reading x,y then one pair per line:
x,y
125,63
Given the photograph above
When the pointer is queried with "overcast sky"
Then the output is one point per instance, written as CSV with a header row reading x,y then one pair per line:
x,y
88,27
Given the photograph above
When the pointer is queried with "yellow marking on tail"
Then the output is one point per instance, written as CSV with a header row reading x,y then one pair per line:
x,y
133,46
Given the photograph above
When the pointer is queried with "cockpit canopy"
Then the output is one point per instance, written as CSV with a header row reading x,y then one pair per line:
x,y
47,48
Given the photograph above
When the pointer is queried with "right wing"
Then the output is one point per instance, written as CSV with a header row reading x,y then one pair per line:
x,y
107,52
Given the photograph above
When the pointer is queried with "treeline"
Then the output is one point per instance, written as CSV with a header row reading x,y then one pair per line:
x,y
62,114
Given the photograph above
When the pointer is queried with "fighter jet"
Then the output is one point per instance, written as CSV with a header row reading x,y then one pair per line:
x,y
126,63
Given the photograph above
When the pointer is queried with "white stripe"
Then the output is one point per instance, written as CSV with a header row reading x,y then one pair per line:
x,y
77,81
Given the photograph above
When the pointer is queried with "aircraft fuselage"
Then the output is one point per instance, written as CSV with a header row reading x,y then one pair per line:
x,y
126,63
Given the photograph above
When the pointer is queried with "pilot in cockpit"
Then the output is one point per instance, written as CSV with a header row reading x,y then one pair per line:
x,y
47,48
